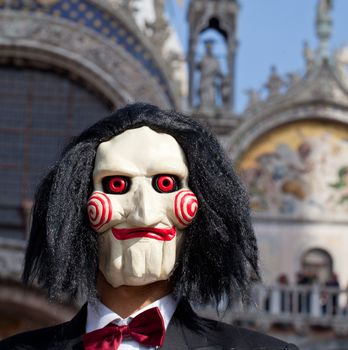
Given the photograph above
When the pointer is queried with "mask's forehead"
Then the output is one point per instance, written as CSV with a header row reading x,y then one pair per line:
x,y
140,151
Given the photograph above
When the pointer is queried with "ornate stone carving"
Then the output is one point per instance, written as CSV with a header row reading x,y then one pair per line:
x,y
130,5
23,29
175,62
158,30
293,79
253,98
274,84
341,63
309,56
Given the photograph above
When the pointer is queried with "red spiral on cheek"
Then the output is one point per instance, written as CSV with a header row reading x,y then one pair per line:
x,y
99,210
185,207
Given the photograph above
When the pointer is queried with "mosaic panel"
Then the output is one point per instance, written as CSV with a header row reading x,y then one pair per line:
x,y
299,170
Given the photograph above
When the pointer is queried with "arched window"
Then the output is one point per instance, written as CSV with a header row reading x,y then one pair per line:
x,y
317,262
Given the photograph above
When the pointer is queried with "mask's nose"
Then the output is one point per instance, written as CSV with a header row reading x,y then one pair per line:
x,y
147,208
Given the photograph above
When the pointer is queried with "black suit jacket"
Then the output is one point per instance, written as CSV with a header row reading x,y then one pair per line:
x,y
186,331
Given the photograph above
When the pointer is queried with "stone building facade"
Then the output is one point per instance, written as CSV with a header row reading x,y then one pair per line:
x,y
290,147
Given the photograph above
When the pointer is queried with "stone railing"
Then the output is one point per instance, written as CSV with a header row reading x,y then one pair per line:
x,y
300,307
309,301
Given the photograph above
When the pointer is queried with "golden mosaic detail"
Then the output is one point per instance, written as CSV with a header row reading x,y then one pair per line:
x,y
73,14
82,7
56,13
47,2
138,48
106,31
291,135
130,40
97,23
299,170
66,6
106,16
89,15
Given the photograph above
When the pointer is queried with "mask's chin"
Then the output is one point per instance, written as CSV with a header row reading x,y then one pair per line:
x,y
136,261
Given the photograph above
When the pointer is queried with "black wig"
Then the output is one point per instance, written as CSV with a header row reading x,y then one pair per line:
x,y
219,252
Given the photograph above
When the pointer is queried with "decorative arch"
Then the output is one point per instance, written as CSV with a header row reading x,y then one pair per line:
x,y
215,23
116,72
253,128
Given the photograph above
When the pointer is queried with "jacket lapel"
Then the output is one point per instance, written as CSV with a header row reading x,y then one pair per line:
x,y
174,339
70,335
187,331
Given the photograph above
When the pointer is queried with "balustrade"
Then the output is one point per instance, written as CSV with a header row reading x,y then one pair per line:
x,y
295,305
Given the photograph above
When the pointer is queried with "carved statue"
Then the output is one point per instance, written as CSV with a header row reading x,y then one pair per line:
x,y
293,79
158,30
324,9
324,26
274,83
253,98
341,61
309,57
210,77
129,5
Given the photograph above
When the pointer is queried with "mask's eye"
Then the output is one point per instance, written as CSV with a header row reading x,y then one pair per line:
x,y
115,184
165,183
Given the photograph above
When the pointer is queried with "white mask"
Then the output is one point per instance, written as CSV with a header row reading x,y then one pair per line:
x,y
140,204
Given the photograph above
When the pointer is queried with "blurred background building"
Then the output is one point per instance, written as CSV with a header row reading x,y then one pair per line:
x,y
66,63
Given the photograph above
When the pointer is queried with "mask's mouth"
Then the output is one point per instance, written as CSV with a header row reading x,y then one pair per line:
x,y
160,234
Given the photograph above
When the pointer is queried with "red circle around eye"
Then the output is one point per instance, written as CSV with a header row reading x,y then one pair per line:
x,y
117,185
165,183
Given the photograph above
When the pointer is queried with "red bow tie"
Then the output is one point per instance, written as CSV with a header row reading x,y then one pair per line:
x,y
146,328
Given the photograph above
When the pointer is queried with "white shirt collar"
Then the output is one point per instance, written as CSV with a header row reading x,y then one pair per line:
x,y
99,315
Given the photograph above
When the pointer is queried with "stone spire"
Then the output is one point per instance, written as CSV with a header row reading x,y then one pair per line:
x,y
324,27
